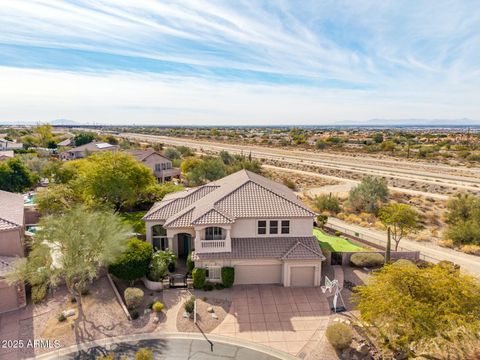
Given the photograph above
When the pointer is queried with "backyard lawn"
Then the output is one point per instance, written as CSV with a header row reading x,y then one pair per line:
x,y
335,243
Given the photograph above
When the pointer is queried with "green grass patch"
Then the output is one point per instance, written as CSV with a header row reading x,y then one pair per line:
x,y
134,219
335,243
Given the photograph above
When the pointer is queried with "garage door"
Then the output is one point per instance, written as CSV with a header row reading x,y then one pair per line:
x,y
8,294
302,276
258,274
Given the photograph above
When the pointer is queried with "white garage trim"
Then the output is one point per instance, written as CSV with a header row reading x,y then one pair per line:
x,y
258,274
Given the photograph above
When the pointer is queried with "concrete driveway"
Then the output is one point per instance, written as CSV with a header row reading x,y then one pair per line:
x,y
287,319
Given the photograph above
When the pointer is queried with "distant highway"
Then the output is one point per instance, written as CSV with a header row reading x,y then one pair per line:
x,y
459,178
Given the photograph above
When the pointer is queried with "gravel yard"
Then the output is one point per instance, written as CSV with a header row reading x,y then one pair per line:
x,y
103,318
205,320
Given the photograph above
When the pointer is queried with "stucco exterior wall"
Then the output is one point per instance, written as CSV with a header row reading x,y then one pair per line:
x,y
286,267
243,228
153,159
12,296
11,243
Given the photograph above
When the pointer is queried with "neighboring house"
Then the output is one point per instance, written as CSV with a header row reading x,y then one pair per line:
x,y
6,154
161,166
67,142
10,145
12,223
246,221
87,149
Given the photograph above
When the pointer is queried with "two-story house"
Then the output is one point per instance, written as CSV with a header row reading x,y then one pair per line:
x,y
12,296
160,165
246,221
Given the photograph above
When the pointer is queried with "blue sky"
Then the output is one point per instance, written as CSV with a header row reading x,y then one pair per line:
x,y
239,62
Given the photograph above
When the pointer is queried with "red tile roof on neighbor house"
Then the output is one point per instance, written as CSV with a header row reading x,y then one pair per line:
x,y
279,248
243,194
11,210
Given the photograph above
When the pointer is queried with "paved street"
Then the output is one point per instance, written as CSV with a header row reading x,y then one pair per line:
x,y
173,347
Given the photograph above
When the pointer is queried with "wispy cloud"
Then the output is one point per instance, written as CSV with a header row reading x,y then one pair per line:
x,y
220,61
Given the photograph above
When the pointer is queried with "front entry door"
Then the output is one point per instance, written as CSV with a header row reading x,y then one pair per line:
x,y
183,245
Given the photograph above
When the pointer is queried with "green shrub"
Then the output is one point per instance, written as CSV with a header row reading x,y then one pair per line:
x,y
144,354
219,286
134,314
208,287
190,263
338,233
369,194
39,292
158,306
189,305
367,259
61,318
328,203
228,276
198,275
339,335
133,297
321,220
110,356
134,262
158,266
289,183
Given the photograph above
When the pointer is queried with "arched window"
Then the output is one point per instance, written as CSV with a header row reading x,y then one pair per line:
x,y
159,237
215,233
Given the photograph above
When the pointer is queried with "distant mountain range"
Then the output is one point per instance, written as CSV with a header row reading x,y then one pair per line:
x,y
452,123
418,122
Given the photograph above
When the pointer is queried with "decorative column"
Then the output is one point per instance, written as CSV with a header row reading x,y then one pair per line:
x,y
228,241
197,240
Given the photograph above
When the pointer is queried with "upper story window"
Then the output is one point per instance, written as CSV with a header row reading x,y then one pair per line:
x,y
262,227
214,233
158,167
273,226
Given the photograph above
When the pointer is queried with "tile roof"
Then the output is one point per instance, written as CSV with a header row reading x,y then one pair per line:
x,y
174,205
141,155
11,210
213,216
301,251
280,248
253,200
184,220
240,195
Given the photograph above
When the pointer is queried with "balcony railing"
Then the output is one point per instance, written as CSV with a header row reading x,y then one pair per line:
x,y
212,244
